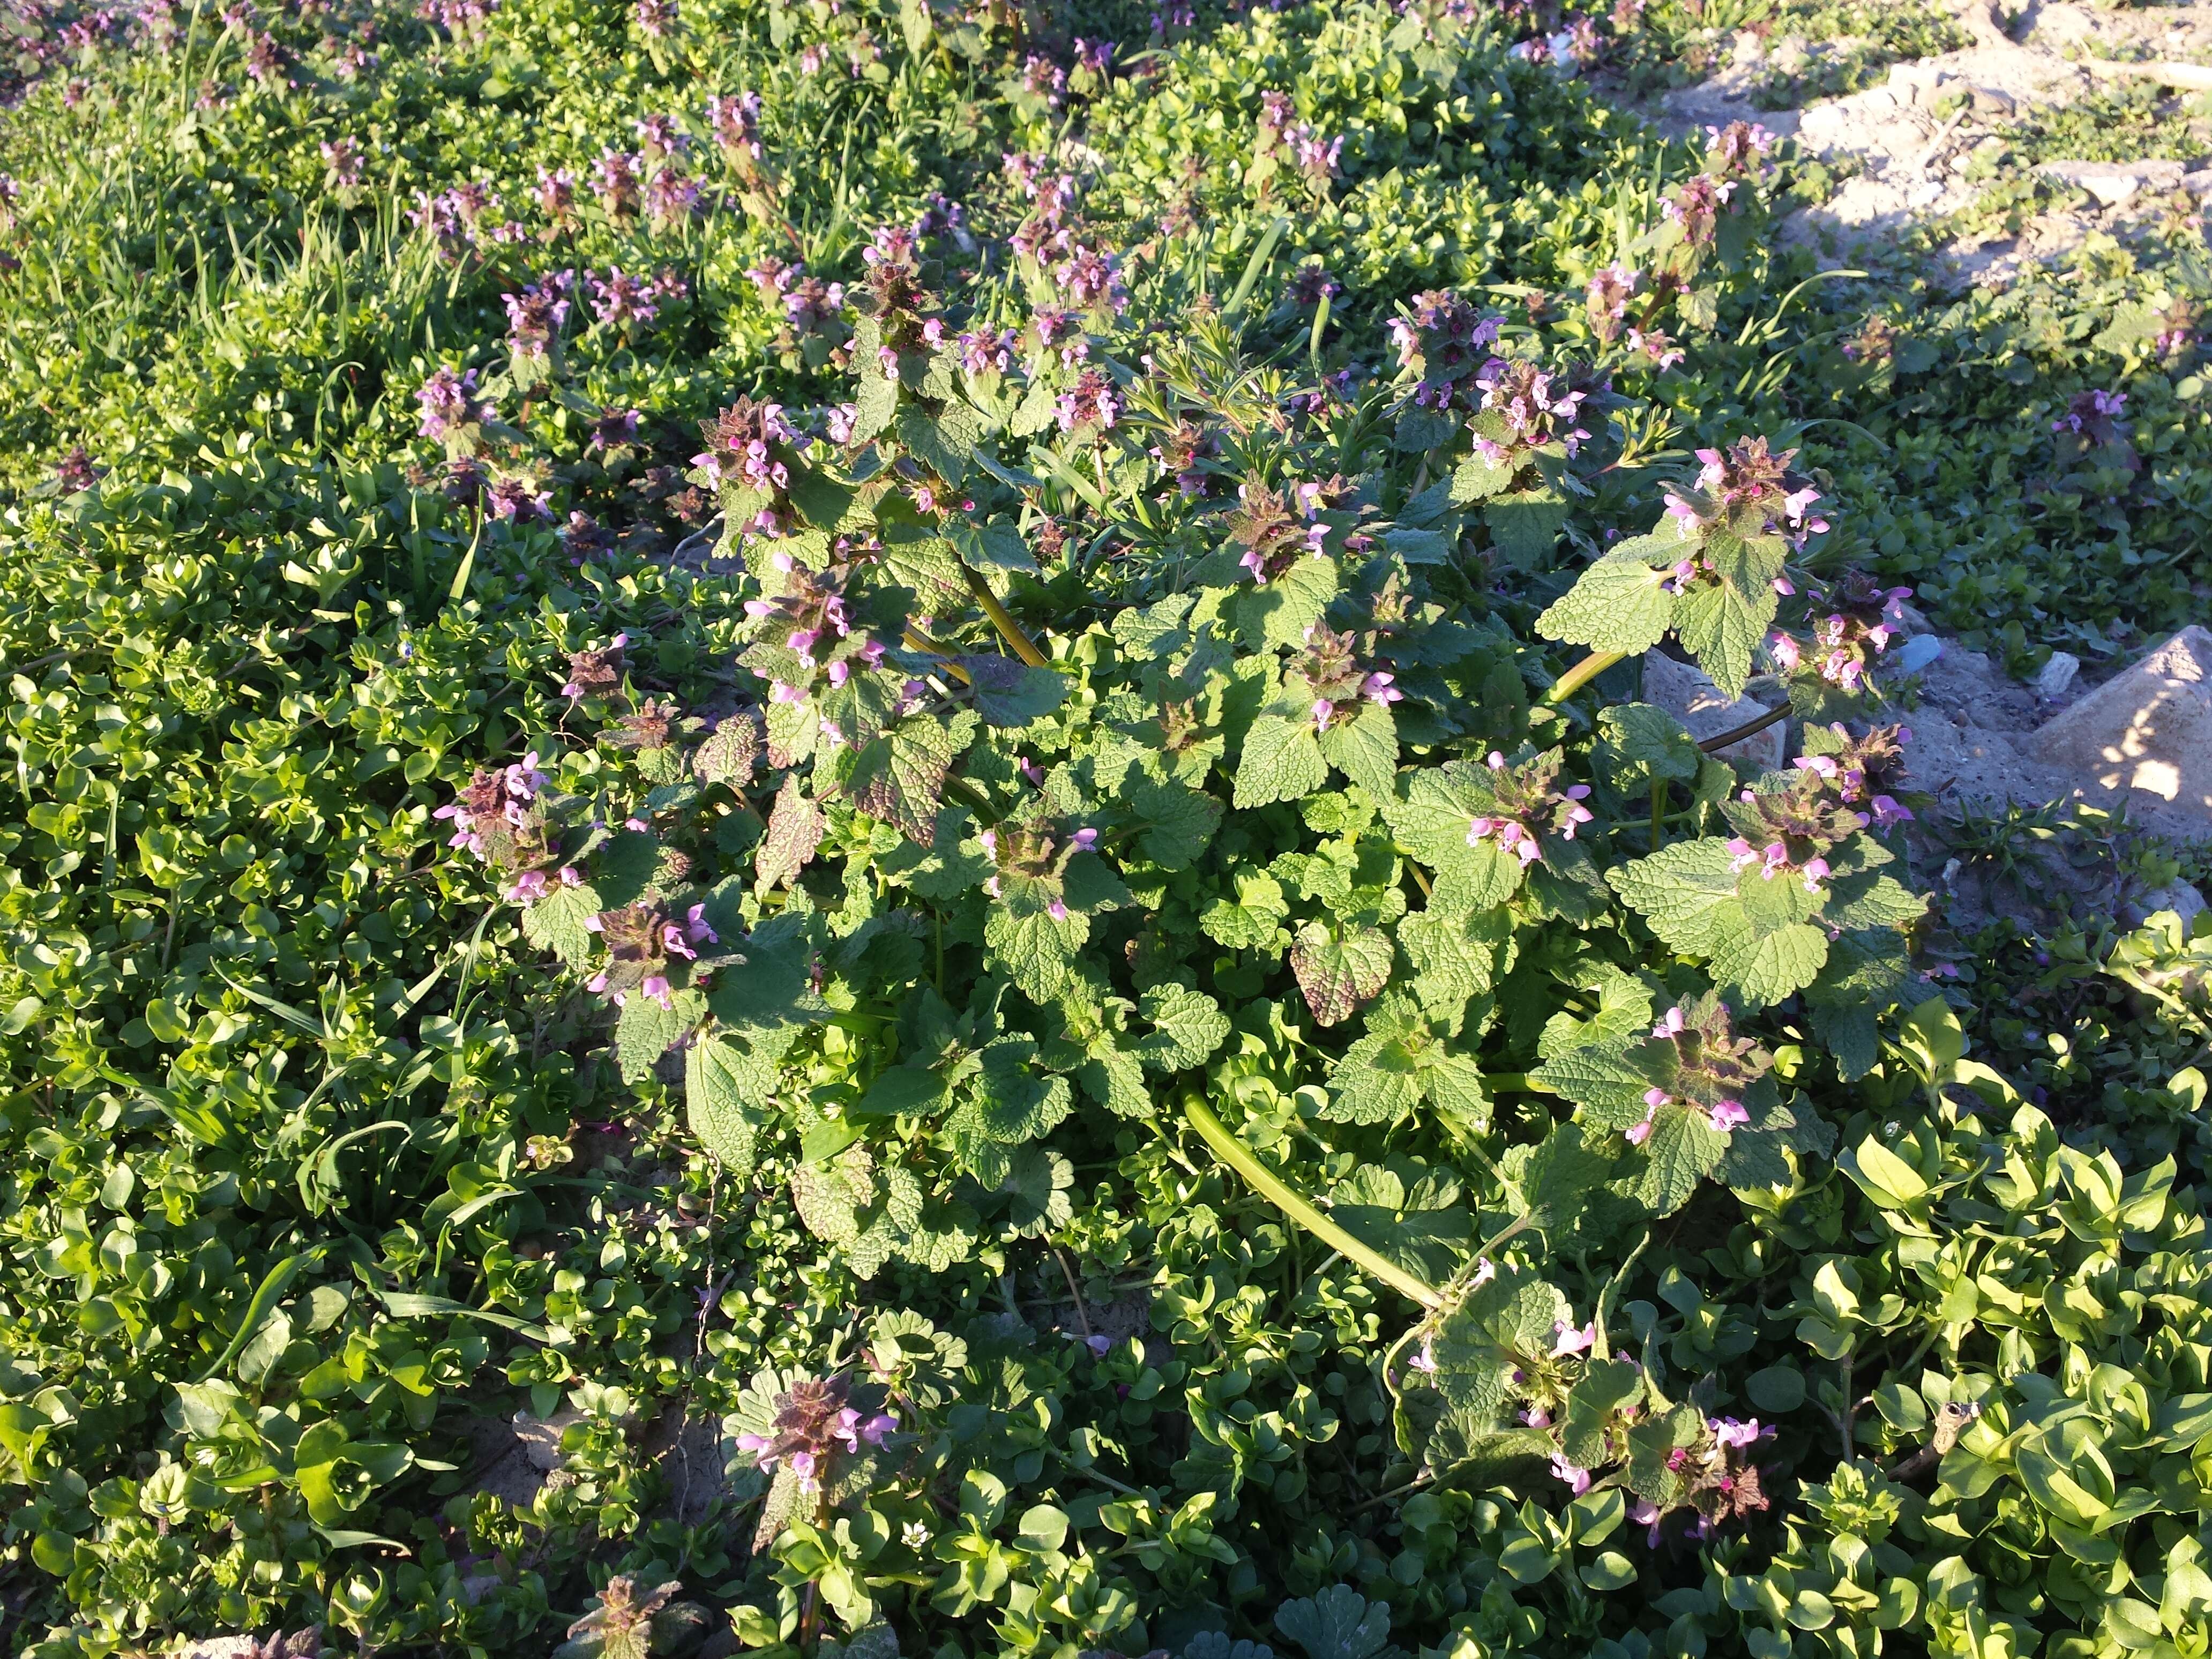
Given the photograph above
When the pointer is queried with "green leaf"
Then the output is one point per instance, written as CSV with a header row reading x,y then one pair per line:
x,y
726,1088
1754,971
1616,605
643,1032
1683,1150
1410,1213
1722,630
1037,949
1493,1335
1249,922
1687,892
1011,693
1363,745
1337,1624
1525,524
555,922
900,777
1454,955
1188,1026
1339,974
795,827
1281,761
1178,821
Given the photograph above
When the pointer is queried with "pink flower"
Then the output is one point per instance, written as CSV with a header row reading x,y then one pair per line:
x,y
529,887
1485,1271
695,925
1577,1479
1646,1514
1056,910
1886,811
1730,1433
1323,712
655,987
1728,1114
1567,1340
1377,688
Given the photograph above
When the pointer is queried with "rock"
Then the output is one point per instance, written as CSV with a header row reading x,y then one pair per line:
x,y
541,1436
2149,730
2179,897
2057,674
1917,653
2115,182
1683,692
1993,100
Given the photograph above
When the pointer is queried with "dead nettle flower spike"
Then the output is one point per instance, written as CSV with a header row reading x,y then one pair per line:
x,y
741,445
451,408
1749,487
1605,300
1337,679
1789,831
814,1424
1277,530
1537,405
1445,342
1714,1067
595,673
1527,806
1853,624
642,941
1865,773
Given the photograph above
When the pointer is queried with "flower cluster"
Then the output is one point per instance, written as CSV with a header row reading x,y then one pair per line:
x,y
534,317
1335,676
620,300
1853,627
451,409
1605,300
596,673
813,1421
1866,774
1444,342
741,448
1696,204
2095,414
1713,1067
498,816
642,941
1035,850
1527,806
1090,406
1273,536
1738,150
1789,831
1537,406
1751,488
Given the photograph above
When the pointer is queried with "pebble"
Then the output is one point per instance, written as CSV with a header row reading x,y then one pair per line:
x,y
2057,674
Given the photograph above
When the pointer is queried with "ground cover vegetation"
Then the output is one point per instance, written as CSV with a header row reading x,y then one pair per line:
x,y
913,734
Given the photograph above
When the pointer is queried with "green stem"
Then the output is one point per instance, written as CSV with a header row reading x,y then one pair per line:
x,y
1240,1157
1582,674
1519,1083
1713,745
1658,813
1003,620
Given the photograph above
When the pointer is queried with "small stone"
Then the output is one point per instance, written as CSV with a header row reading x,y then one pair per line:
x,y
2114,183
2179,897
1917,653
2057,674
541,1436
1993,100
2147,730
1684,691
